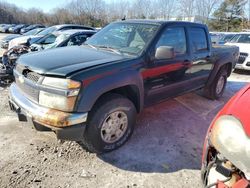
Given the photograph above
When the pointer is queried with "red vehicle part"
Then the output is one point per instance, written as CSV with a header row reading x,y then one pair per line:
x,y
242,183
239,107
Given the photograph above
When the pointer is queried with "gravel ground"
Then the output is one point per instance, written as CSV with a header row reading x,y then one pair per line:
x,y
164,151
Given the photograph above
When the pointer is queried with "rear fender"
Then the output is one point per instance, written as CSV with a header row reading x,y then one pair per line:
x,y
217,66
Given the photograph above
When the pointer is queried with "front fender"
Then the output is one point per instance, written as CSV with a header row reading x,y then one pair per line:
x,y
97,87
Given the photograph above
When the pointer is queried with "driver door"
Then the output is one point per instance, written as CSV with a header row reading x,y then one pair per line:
x,y
163,78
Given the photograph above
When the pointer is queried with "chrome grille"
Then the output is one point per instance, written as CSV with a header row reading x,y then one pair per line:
x,y
31,92
32,76
242,57
28,86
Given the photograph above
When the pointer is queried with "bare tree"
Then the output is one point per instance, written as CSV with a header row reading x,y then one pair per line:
x,y
86,11
165,8
142,8
117,10
204,8
187,8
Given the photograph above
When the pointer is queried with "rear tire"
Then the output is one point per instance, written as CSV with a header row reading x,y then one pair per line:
x,y
216,90
110,124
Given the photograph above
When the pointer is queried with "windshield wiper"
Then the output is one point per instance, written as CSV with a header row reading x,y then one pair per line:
x,y
110,49
86,44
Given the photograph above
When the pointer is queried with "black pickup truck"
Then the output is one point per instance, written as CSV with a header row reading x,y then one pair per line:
x,y
91,94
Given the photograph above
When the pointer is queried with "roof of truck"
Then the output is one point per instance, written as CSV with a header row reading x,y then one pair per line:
x,y
159,22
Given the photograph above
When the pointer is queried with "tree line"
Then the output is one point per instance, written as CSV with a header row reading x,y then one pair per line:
x,y
221,15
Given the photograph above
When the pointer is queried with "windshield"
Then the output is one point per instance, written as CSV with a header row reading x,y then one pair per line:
x,y
241,38
47,39
227,37
58,41
47,31
129,38
30,27
32,32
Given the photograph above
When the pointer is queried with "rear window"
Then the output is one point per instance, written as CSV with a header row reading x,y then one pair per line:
x,y
198,39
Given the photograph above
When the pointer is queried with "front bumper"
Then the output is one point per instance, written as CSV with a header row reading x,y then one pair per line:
x,y
67,126
244,66
244,62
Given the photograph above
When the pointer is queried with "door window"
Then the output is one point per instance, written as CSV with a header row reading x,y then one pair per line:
x,y
50,39
77,40
198,39
174,37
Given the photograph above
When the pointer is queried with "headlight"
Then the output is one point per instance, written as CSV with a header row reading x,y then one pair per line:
x,y
230,139
63,100
61,83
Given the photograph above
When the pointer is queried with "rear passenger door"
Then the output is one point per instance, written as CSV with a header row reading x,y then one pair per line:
x,y
200,53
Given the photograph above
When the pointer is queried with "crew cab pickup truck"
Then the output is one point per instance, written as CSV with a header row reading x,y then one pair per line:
x,y
92,93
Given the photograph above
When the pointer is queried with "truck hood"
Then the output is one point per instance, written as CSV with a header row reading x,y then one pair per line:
x,y
63,61
244,47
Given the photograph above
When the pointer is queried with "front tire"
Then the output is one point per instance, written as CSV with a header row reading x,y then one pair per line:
x,y
110,124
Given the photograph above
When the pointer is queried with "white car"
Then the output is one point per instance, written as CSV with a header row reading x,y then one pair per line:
x,y
33,39
242,40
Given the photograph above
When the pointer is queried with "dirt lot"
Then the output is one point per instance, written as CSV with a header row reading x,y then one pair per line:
x,y
164,151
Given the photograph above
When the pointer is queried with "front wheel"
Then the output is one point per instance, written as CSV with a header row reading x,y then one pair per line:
x,y
216,90
111,123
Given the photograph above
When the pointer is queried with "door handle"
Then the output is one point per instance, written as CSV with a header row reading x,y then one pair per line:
x,y
186,62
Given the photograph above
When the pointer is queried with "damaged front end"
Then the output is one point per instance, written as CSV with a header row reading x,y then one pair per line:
x,y
48,103
225,157
218,172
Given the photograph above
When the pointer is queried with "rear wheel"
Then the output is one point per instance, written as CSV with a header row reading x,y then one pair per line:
x,y
216,90
111,123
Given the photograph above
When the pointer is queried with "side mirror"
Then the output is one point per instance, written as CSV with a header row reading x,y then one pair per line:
x,y
164,52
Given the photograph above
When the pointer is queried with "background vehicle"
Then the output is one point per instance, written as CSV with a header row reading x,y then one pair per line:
x,y
35,38
31,27
215,39
225,161
5,28
62,38
92,93
227,37
8,62
16,29
242,40
5,41
219,38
